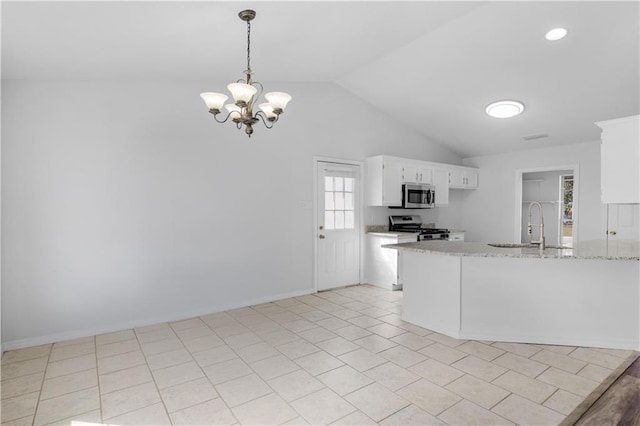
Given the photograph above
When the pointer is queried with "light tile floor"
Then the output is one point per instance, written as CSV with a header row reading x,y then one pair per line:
x,y
339,357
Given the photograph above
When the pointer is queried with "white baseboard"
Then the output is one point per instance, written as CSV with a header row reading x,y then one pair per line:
x,y
76,334
595,342
385,286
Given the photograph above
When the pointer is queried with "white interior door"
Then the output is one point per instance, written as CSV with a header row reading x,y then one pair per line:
x,y
338,239
622,222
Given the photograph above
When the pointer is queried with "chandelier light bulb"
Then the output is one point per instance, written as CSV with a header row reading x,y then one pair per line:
x,y
278,100
504,109
234,111
242,92
214,101
267,108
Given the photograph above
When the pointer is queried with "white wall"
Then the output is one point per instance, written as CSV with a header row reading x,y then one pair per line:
x,y
125,204
486,208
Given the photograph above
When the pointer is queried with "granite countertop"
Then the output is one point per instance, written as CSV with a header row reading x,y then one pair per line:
x,y
594,249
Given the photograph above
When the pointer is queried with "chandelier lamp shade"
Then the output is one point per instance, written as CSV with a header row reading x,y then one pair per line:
x,y
245,93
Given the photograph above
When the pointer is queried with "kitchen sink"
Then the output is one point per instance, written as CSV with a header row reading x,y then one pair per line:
x,y
525,245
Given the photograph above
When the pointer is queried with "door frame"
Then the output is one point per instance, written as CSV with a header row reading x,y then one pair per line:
x,y
518,198
314,231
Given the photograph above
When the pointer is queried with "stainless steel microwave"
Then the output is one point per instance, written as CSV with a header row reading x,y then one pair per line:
x,y
418,196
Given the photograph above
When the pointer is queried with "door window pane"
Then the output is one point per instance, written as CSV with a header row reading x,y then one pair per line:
x,y
339,201
339,184
328,183
348,201
328,201
329,222
348,184
339,219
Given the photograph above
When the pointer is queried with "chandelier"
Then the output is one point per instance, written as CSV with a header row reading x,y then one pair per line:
x,y
245,94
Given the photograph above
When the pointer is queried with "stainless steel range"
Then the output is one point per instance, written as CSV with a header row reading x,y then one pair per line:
x,y
413,223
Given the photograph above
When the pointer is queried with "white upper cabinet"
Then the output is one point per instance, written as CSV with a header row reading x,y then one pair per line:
x,y
415,173
386,174
383,181
619,157
441,184
463,178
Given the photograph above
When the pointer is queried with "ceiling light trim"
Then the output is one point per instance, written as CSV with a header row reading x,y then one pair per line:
x,y
556,34
505,108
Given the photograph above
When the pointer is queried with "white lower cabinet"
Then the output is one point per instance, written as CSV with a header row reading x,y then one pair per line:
x,y
383,267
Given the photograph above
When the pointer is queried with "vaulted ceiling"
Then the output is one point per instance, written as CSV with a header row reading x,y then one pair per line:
x,y
432,65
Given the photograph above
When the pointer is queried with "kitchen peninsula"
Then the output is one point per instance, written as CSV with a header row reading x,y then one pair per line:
x,y
586,296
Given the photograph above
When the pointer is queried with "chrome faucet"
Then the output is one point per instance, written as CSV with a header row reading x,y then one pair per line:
x,y
541,240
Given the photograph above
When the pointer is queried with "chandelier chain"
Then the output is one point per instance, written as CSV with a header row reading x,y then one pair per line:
x,y
248,45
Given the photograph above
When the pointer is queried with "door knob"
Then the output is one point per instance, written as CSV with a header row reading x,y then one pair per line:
x,y
321,236
612,232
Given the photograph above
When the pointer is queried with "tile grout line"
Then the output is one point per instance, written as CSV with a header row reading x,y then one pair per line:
x,y
549,397
544,371
95,347
70,392
128,387
153,379
35,412
489,410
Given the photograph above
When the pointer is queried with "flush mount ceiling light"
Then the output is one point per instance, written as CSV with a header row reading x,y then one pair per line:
x,y
556,34
504,109
245,94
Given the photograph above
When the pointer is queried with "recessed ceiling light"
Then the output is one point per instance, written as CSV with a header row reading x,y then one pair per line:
x,y
556,34
504,109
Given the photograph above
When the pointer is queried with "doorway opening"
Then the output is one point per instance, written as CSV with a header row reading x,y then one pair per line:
x,y
556,191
